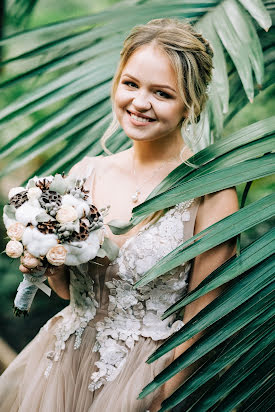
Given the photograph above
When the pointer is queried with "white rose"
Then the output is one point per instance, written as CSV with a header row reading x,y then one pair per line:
x,y
34,193
15,231
14,249
66,214
56,255
80,205
14,191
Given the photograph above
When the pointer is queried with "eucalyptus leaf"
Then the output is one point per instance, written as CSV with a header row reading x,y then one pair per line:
x,y
9,211
119,226
43,217
110,248
58,184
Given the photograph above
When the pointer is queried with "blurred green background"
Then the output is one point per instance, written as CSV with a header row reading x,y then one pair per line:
x,y
17,332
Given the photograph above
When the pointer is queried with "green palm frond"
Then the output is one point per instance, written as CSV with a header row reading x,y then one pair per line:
x,y
67,75
73,69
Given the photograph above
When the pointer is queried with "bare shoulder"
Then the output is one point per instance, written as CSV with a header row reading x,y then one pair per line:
x,y
111,163
216,206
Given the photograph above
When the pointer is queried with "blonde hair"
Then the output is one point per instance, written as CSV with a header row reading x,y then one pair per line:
x,y
190,55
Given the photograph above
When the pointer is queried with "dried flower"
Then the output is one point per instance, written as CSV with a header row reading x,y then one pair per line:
x,y
15,190
14,249
66,214
15,231
34,193
56,255
30,261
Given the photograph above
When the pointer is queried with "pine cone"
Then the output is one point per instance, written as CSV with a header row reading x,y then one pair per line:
x,y
18,199
50,200
83,232
94,214
47,227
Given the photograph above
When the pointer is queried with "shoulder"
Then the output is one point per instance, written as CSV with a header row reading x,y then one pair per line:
x,y
101,164
216,206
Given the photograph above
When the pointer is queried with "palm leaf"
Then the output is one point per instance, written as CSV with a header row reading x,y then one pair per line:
x,y
94,42
251,340
72,64
253,254
256,306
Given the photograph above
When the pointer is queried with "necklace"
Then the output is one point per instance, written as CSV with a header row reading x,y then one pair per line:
x,y
136,194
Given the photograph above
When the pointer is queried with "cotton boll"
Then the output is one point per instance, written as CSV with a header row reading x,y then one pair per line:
x,y
34,193
28,211
14,191
88,250
38,243
80,205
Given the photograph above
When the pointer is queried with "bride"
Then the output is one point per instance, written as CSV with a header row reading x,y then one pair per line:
x,y
91,356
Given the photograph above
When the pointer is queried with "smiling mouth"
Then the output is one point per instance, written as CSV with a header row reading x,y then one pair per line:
x,y
140,118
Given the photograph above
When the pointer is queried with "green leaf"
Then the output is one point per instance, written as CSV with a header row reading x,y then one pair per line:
x,y
240,138
212,338
263,373
238,372
110,248
241,289
212,236
250,338
253,254
258,11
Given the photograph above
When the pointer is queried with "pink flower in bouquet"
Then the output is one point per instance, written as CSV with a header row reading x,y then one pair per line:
x,y
30,261
56,255
15,231
14,249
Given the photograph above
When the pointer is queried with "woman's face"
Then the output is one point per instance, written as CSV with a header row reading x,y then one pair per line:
x,y
147,102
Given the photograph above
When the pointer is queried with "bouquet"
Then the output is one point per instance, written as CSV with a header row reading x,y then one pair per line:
x,y
51,222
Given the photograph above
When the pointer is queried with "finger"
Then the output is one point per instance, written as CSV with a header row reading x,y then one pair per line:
x,y
23,269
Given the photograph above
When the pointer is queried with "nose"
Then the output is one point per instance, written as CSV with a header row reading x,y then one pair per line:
x,y
141,101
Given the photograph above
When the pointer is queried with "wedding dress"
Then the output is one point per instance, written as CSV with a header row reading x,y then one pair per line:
x,y
91,356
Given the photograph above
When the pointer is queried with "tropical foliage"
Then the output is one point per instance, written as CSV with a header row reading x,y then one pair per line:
x,y
72,65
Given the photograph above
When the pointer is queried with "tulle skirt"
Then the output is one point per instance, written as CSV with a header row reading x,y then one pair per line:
x,y
24,387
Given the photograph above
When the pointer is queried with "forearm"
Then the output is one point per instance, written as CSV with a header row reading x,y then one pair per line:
x,y
59,282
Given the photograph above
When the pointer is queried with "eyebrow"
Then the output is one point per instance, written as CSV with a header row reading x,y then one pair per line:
x,y
162,86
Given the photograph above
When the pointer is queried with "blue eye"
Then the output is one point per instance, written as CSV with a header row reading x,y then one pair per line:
x,y
130,84
160,93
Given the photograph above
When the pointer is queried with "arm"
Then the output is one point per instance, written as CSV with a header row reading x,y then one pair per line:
x,y
213,208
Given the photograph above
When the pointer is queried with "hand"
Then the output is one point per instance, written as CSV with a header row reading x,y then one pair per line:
x,y
50,271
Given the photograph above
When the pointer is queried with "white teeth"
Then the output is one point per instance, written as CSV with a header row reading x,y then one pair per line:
x,y
139,119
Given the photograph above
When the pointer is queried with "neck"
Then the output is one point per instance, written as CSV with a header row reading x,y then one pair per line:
x,y
160,150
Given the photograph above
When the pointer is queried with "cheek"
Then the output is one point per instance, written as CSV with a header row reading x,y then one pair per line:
x,y
121,97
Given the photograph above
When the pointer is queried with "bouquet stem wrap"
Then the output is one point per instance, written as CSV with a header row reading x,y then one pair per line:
x,y
27,289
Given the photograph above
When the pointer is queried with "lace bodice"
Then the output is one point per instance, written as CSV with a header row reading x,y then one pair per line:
x,y
104,295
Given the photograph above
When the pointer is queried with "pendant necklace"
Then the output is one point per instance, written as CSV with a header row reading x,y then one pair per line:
x,y
135,195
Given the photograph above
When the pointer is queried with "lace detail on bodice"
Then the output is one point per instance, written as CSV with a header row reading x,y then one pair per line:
x,y
131,312
137,312
76,315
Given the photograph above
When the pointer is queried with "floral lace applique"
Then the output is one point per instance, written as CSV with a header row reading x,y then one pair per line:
x,y
137,312
75,316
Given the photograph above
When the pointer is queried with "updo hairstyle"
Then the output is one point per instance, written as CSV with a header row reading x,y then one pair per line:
x,y
190,55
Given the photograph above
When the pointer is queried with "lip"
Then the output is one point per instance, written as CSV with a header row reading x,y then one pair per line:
x,y
136,122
